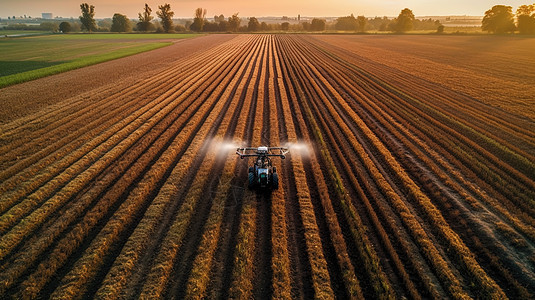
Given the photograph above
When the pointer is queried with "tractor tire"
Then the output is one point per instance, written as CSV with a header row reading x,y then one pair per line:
x,y
251,169
274,169
275,181
251,180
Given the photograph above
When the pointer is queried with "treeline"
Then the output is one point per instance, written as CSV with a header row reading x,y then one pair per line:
x,y
252,24
403,23
147,23
44,26
500,19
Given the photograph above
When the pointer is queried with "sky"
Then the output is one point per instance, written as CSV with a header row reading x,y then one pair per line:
x,y
257,8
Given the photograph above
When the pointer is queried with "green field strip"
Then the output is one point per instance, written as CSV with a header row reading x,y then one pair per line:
x,y
28,58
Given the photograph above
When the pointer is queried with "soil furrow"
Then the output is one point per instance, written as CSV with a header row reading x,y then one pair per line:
x,y
402,181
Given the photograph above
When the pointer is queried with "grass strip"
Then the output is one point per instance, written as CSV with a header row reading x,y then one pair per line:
x,y
77,63
124,36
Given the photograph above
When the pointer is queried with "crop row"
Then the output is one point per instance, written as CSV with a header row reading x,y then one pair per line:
x,y
434,188
206,118
133,191
471,265
347,270
326,65
455,180
97,165
470,229
200,274
141,164
85,115
244,251
427,121
177,230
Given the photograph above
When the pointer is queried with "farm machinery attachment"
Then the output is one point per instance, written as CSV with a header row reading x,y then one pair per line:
x,y
263,174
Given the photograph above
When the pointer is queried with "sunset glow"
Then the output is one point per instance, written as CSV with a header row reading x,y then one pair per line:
x,y
185,8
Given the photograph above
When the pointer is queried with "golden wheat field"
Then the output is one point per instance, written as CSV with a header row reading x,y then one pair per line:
x,y
411,171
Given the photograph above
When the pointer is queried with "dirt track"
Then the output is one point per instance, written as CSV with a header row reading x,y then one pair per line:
x,y
129,187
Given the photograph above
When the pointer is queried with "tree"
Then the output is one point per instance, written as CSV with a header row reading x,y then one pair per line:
x,y
361,23
223,25
198,21
219,19
65,27
285,26
210,26
348,23
166,16
49,26
158,27
525,16
120,23
499,19
234,22
253,24
145,19
384,25
317,25
88,17
104,25
405,21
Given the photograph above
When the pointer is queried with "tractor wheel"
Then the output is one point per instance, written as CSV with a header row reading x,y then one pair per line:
x,y
251,169
274,169
275,181
251,180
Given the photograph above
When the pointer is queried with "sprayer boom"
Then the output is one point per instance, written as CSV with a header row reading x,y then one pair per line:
x,y
262,151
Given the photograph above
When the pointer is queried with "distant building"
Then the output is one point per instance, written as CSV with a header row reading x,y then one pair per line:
x,y
47,16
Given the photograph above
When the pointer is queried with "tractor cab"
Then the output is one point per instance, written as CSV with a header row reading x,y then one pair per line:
x,y
263,177
263,174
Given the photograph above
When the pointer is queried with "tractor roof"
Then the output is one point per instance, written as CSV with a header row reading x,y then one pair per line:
x,y
262,149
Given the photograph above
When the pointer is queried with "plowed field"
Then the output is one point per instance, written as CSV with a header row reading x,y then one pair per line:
x,y
399,183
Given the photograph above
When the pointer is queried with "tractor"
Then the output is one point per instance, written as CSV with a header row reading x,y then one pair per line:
x,y
263,175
